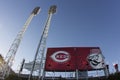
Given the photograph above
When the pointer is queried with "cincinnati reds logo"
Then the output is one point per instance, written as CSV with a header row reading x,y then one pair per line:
x,y
60,56
96,60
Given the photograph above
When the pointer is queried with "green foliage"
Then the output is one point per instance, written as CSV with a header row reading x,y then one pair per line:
x,y
115,76
13,77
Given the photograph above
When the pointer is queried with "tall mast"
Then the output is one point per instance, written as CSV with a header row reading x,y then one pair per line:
x,y
14,47
40,55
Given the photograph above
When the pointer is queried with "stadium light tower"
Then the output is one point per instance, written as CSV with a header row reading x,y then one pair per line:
x,y
14,47
40,55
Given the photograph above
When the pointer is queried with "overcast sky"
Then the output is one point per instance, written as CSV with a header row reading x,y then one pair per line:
x,y
77,23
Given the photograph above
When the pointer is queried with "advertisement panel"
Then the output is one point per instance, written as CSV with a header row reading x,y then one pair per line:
x,y
89,58
72,58
60,59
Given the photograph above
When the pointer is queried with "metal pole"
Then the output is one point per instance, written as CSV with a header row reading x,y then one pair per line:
x,y
76,74
39,55
14,47
21,67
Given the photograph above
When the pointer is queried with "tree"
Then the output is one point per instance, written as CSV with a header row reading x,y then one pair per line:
x,y
13,77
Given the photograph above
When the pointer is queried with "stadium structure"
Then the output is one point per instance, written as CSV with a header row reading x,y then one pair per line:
x,y
73,61
57,63
2,64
